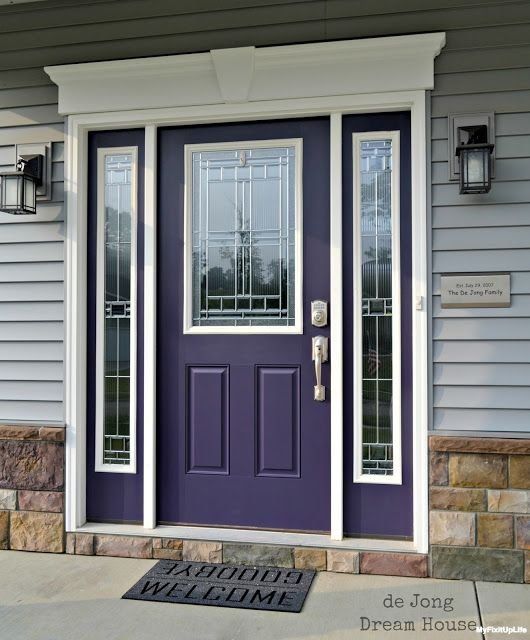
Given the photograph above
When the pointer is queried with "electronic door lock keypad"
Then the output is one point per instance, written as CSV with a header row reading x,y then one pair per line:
x,y
319,313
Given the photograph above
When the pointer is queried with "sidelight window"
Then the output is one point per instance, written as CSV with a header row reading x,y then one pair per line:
x,y
377,358
116,311
243,251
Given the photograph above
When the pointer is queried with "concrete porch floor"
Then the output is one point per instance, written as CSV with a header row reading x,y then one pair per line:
x,y
56,597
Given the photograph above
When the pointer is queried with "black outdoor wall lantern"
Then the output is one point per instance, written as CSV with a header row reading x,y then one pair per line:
x,y
474,157
18,189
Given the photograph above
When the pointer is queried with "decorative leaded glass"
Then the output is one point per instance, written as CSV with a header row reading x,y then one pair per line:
x,y
117,322
376,277
243,237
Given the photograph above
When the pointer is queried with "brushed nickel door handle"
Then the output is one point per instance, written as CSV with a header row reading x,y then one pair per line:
x,y
320,355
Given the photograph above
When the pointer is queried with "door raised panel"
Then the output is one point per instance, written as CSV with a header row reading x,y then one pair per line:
x,y
278,421
207,420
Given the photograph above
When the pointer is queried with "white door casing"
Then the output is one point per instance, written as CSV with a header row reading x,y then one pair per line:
x,y
326,79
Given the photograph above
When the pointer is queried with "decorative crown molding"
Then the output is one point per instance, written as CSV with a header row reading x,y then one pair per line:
x,y
249,74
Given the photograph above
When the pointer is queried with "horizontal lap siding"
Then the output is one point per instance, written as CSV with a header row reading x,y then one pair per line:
x,y
32,269
478,357
481,375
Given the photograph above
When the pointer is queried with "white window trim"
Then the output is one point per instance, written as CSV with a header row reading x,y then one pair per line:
x,y
358,476
101,466
371,85
189,149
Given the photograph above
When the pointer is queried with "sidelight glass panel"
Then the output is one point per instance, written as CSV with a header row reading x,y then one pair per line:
x,y
116,412
376,228
243,245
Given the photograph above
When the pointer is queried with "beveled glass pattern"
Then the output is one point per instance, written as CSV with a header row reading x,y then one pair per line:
x,y
376,277
118,212
243,237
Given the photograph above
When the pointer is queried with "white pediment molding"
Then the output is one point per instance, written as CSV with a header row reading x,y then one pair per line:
x,y
234,69
249,74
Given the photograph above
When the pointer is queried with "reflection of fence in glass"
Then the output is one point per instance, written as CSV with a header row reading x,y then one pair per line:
x,y
243,227
118,205
376,277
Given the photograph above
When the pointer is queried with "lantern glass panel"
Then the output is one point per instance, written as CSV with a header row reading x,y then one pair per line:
x,y
475,166
29,194
11,191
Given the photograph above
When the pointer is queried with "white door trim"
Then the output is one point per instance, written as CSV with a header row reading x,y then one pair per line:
x,y
150,195
333,104
336,350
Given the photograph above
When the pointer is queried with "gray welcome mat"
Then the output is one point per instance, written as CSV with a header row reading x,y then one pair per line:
x,y
223,585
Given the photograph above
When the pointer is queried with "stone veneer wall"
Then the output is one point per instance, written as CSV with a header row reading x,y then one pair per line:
x,y
32,488
337,560
479,508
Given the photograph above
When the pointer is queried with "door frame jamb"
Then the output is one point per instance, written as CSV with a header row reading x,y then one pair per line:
x,y
76,189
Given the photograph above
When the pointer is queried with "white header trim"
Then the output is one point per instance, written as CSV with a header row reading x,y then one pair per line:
x,y
249,74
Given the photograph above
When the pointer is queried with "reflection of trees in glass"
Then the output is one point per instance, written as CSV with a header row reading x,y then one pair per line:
x,y
384,253
256,276
269,277
117,234
112,228
377,269
117,254
240,256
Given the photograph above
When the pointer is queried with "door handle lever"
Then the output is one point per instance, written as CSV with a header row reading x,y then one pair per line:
x,y
320,355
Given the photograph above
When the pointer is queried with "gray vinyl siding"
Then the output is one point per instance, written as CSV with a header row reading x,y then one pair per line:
x,y
480,366
481,375
31,296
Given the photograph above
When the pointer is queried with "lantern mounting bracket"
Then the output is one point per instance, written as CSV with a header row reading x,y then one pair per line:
x,y
31,165
459,126
28,149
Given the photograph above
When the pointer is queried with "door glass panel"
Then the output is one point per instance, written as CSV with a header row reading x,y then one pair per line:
x,y
117,329
243,237
376,291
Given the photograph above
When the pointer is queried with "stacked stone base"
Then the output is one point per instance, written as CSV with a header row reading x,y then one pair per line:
x,y
336,560
479,508
31,488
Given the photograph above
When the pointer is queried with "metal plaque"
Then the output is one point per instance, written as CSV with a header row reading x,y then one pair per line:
x,y
475,290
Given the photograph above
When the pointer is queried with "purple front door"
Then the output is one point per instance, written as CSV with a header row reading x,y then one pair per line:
x,y
243,249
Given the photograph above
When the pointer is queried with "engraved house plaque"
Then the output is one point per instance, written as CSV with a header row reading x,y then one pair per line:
x,y
475,290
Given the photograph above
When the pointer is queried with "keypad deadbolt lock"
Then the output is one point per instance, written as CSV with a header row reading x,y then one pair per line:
x,y
319,313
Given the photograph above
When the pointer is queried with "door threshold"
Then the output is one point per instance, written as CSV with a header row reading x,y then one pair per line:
x,y
219,534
